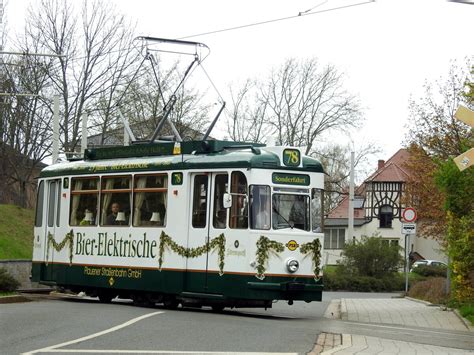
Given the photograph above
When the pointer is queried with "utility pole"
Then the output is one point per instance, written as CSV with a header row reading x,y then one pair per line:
x,y
350,225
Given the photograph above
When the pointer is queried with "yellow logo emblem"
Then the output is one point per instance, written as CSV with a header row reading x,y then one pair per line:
x,y
111,281
292,245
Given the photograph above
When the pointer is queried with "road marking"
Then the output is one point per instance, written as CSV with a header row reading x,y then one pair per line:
x,y
162,352
95,335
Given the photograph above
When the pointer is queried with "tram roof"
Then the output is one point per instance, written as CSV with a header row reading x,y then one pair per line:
x,y
192,155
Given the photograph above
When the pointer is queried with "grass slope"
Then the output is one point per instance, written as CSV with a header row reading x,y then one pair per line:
x,y
16,232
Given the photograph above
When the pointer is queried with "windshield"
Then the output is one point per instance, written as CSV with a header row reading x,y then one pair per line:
x,y
290,211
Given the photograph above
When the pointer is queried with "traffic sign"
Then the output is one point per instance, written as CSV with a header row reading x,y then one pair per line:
x,y
466,159
409,215
408,228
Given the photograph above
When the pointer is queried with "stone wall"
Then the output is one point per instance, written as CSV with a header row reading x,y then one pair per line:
x,y
20,270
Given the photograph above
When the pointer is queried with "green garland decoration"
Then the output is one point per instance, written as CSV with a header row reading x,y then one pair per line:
x,y
218,242
314,249
264,246
69,238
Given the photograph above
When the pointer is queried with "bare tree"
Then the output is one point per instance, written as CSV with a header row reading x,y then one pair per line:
x,y
246,122
300,102
25,126
96,46
335,159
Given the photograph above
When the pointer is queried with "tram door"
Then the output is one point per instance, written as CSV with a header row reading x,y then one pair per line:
x,y
52,210
208,221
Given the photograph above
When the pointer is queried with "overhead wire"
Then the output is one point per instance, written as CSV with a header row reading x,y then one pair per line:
x,y
300,14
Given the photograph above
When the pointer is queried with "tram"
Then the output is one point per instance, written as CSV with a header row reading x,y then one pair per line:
x,y
197,223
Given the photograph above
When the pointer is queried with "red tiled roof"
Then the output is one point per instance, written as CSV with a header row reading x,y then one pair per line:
x,y
342,210
393,170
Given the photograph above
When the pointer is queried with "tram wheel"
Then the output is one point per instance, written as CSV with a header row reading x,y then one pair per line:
x,y
170,303
217,308
106,297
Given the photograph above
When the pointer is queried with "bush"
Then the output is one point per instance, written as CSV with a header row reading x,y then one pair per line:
x,y
7,282
339,279
432,290
372,256
430,271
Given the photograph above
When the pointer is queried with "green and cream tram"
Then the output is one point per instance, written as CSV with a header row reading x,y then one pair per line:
x,y
208,223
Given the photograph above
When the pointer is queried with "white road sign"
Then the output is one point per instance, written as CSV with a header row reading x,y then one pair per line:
x,y
408,228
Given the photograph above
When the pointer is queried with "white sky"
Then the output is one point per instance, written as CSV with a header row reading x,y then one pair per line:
x,y
387,48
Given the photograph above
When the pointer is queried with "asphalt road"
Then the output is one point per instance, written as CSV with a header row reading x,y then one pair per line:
x,y
86,326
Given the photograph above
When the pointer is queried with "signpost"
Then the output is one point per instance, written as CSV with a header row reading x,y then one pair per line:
x,y
408,228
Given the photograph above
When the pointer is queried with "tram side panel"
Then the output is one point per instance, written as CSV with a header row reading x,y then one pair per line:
x,y
243,276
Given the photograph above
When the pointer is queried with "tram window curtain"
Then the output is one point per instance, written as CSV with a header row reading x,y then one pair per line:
x,y
84,201
106,199
150,200
139,199
239,210
260,200
219,219
76,198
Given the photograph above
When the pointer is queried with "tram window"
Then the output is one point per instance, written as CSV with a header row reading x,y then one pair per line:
x,y
317,208
39,205
260,207
84,201
219,217
58,204
115,197
239,210
200,201
150,193
290,211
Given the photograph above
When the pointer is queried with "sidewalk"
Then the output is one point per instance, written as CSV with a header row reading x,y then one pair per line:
x,y
403,311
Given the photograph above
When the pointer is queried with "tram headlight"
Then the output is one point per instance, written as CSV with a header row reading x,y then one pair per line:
x,y
292,265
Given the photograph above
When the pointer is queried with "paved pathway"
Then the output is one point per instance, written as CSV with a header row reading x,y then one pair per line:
x,y
358,344
401,311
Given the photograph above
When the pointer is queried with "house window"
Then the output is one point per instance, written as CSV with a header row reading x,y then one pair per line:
x,y
391,242
386,216
334,238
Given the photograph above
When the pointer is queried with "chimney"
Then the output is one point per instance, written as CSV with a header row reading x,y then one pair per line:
x,y
381,164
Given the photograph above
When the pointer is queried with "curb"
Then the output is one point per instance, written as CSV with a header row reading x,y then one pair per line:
x,y
343,309
420,301
346,343
13,299
464,320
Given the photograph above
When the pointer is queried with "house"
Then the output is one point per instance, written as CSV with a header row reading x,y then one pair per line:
x,y
378,205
